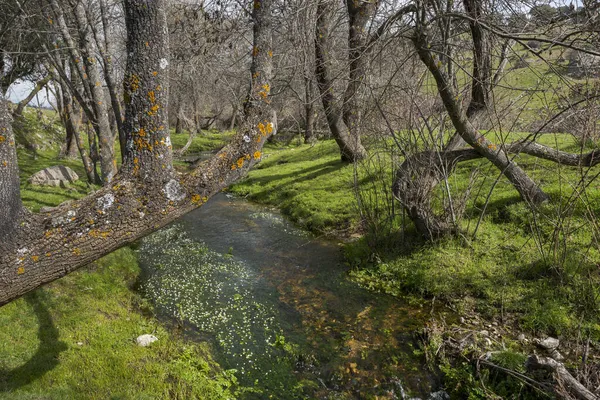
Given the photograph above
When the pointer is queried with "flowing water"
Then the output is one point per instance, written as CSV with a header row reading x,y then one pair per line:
x,y
276,303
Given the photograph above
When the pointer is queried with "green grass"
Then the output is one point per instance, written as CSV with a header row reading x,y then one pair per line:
x,y
308,183
75,339
207,141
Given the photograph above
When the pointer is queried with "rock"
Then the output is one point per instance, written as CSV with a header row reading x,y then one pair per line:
x,y
549,343
59,175
521,338
145,340
556,355
484,333
439,395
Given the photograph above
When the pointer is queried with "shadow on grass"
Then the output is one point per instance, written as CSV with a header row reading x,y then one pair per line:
x,y
298,176
46,357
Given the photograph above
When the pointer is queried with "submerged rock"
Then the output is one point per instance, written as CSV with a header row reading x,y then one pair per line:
x,y
58,175
145,340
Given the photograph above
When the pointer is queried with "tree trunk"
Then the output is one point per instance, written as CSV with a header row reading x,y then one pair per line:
x,y
108,165
350,147
233,118
85,65
309,111
10,194
178,116
18,113
72,123
109,74
526,187
359,14
146,195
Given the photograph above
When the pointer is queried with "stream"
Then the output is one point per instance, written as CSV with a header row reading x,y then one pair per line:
x,y
277,305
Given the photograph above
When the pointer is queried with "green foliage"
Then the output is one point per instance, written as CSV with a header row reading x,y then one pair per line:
x,y
308,183
206,141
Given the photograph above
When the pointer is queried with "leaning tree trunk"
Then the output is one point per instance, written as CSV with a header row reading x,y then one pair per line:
x,y
147,194
419,175
350,146
72,122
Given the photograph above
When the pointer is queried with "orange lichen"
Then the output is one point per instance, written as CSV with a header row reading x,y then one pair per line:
x,y
35,258
76,251
240,162
255,51
261,128
233,167
270,53
20,271
151,96
154,73
134,82
2,138
269,127
153,110
142,132
256,155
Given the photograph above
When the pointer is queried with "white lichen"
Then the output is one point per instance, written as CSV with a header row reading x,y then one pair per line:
x,y
106,201
174,191
247,139
163,63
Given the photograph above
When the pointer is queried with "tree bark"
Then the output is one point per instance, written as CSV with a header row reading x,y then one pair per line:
x,y
10,195
527,188
108,72
146,194
359,14
350,146
108,165
309,111
72,122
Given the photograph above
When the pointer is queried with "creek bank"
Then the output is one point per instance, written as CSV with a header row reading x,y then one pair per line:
x,y
301,329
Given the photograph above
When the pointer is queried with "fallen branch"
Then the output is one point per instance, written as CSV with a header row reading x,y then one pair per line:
x,y
574,387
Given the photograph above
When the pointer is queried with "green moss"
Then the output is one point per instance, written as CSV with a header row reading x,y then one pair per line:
x,y
308,183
